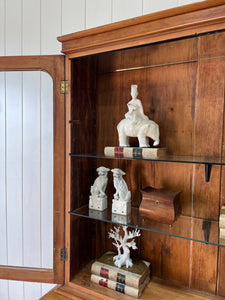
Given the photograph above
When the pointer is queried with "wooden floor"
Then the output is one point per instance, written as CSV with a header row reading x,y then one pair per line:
x,y
55,296
155,291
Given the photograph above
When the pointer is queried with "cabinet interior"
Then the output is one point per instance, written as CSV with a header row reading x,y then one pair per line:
x,y
181,86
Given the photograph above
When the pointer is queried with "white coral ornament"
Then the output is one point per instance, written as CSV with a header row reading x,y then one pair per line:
x,y
123,259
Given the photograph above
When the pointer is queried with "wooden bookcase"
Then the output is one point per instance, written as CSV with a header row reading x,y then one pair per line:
x,y
177,59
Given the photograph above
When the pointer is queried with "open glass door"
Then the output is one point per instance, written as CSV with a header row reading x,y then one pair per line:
x,y
32,168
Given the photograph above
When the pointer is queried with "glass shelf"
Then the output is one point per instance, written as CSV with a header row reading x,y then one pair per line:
x,y
186,227
206,161
166,158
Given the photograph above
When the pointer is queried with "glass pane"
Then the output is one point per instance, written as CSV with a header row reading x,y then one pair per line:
x,y
26,169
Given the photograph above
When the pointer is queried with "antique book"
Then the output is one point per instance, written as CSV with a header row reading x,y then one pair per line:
x,y
134,276
135,152
222,217
120,287
222,233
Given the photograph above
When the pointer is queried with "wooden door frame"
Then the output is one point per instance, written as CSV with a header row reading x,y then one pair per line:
x,y
54,66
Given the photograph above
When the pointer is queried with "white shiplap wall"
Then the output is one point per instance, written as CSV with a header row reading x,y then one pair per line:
x,y
30,27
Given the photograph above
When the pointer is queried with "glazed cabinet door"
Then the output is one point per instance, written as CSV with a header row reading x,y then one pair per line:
x,y
32,168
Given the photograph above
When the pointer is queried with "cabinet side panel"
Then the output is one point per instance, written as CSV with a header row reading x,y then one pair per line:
x,y
221,277
83,127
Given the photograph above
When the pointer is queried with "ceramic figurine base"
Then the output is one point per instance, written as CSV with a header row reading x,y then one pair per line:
x,y
121,219
121,207
97,203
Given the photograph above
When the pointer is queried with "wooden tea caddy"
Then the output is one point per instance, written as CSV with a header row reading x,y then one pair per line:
x,y
159,205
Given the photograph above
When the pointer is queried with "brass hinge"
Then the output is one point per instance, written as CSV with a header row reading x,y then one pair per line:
x,y
64,86
64,254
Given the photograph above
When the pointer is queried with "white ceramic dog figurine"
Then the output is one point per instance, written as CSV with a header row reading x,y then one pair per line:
x,y
122,192
100,183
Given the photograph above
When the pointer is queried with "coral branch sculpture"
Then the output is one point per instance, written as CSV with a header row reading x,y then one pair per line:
x,y
123,245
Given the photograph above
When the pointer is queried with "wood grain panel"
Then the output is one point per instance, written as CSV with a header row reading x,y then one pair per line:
x,y
221,272
204,267
207,44
171,105
208,141
206,196
83,106
176,177
169,256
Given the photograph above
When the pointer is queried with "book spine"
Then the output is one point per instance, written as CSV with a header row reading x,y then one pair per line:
x,y
113,275
116,286
222,217
129,152
118,152
222,233
222,221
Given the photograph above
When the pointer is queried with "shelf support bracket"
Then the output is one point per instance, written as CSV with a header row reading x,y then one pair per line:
x,y
208,168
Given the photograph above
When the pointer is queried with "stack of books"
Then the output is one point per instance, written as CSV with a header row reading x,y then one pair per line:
x,y
222,225
131,281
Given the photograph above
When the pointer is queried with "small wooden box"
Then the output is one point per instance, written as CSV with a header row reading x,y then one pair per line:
x,y
159,205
